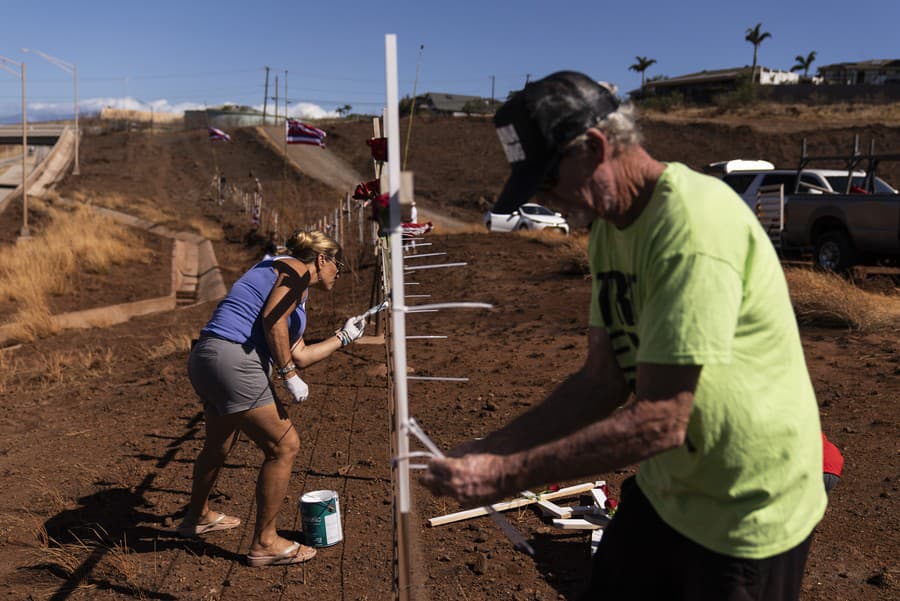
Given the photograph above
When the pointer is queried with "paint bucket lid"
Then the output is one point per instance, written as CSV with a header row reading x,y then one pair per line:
x,y
318,496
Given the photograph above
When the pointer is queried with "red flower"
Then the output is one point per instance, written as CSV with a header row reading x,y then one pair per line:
x,y
379,147
367,190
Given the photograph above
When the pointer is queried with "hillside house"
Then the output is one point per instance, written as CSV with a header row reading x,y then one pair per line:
x,y
873,72
704,85
454,104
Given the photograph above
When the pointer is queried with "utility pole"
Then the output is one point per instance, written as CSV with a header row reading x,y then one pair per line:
x,y
72,69
284,151
412,109
24,233
527,77
492,92
266,96
276,100
4,64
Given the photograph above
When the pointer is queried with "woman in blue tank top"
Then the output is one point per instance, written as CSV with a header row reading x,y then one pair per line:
x,y
257,330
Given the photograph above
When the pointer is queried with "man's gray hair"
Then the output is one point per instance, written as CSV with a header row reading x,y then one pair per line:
x,y
620,127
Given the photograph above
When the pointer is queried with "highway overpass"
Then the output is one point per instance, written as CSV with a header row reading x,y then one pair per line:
x,y
39,134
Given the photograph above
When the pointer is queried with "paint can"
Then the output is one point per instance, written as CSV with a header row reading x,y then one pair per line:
x,y
320,514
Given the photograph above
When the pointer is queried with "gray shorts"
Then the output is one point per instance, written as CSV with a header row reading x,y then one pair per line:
x,y
229,377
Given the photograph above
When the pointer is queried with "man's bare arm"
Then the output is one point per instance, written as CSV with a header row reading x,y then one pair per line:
x,y
654,422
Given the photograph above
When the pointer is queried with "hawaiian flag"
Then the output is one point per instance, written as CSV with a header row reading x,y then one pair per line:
x,y
296,132
217,135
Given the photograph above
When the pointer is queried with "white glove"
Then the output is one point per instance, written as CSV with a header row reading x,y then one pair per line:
x,y
297,388
353,330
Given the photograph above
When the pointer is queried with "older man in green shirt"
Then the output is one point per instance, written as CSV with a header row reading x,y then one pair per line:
x,y
694,367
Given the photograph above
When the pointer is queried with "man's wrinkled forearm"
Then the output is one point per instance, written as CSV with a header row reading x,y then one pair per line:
x,y
637,432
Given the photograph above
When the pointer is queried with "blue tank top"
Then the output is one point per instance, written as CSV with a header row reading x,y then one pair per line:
x,y
238,317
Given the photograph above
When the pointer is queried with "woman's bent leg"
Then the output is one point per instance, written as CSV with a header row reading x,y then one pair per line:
x,y
220,435
275,435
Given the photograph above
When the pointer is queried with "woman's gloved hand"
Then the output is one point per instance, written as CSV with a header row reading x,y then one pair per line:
x,y
353,329
297,388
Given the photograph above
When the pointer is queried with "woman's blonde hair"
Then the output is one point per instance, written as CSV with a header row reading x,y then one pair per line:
x,y
306,246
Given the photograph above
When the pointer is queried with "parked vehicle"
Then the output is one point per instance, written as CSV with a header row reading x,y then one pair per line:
x,y
845,217
529,216
747,181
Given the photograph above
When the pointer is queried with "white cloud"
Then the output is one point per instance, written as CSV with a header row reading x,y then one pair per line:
x,y
44,111
307,110
300,110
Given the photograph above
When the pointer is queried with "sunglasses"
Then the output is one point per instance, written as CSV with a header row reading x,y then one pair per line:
x,y
552,177
338,264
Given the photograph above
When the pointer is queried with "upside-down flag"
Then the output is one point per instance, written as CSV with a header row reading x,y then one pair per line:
x,y
296,132
218,135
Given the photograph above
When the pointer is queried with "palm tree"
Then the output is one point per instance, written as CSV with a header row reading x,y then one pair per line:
x,y
642,64
756,38
804,63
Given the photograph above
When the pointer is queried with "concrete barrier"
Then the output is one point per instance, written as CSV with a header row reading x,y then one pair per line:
x,y
101,317
196,278
210,285
49,171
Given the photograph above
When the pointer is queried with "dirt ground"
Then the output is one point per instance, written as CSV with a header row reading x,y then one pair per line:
x,y
99,428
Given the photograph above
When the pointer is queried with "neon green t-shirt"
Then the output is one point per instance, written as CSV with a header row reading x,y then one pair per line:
x,y
695,281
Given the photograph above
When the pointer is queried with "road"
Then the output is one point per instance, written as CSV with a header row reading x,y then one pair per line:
x,y
329,168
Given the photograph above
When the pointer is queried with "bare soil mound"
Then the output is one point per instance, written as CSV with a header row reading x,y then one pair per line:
x,y
99,428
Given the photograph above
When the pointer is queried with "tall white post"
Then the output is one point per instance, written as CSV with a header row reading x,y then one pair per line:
x,y
398,322
398,314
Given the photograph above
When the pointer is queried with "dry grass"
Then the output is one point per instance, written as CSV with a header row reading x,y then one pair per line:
x,y
66,557
9,366
207,229
74,242
58,368
826,299
118,564
459,228
145,208
172,343
775,116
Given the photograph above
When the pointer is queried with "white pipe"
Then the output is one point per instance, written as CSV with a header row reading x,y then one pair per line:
x,y
397,306
436,266
437,306
425,255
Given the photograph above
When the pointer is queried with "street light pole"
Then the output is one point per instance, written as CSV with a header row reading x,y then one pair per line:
x,y
4,63
72,69
76,170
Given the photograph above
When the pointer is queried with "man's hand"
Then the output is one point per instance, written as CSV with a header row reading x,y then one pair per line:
x,y
473,479
297,388
353,330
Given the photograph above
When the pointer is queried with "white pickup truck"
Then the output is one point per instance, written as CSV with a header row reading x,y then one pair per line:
x,y
747,177
842,216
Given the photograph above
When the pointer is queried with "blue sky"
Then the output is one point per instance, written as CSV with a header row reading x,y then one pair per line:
x,y
176,55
